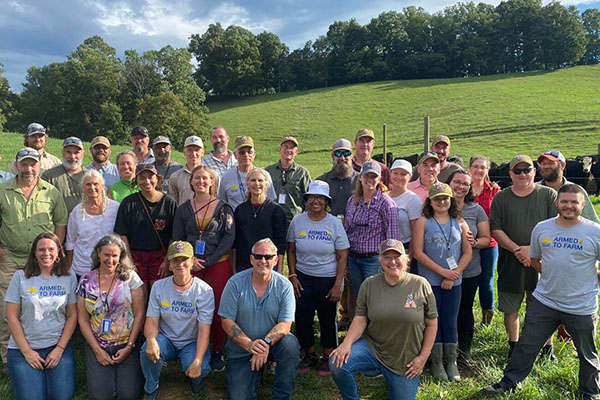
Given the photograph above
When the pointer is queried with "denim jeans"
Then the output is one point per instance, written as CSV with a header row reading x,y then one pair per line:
x,y
168,352
448,302
489,259
362,359
242,382
361,268
33,384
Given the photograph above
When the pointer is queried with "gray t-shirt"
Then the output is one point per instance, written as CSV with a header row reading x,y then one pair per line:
x,y
473,214
410,207
180,312
43,301
316,243
233,188
568,281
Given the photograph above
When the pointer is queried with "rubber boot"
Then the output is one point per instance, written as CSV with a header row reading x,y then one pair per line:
x,y
450,353
465,339
486,317
437,362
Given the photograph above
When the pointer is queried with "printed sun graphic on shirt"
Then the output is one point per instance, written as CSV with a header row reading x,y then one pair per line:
x,y
302,235
165,305
546,242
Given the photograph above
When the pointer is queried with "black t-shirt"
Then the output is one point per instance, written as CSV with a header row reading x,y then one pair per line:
x,y
133,222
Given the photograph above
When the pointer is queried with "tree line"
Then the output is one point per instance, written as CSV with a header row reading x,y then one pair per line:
x,y
95,92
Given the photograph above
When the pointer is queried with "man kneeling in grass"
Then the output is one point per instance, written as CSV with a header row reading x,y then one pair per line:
x,y
564,250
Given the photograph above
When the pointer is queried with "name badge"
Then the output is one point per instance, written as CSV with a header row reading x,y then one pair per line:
x,y
200,246
281,199
105,328
91,298
451,262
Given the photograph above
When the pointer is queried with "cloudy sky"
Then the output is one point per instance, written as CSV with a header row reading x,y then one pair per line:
x,y
37,32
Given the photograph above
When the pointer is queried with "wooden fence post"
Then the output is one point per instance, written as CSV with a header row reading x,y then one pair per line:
x,y
426,134
385,145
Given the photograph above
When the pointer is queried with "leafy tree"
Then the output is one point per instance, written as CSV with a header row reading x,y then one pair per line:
x,y
591,26
8,100
562,38
272,61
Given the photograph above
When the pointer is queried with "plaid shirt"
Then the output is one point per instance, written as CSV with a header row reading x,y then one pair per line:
x,y
217,165
369,224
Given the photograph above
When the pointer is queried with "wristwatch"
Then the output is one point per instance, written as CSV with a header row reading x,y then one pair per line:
x,y
268,341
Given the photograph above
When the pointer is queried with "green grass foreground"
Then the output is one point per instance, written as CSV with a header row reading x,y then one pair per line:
x,y
499,116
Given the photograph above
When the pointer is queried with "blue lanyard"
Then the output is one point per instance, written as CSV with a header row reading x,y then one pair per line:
x,y
447,239
241,185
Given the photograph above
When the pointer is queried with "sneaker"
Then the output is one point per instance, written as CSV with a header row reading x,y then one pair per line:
x,y
499,387
151,396
216,361
323,367
198,387
373,373
308,362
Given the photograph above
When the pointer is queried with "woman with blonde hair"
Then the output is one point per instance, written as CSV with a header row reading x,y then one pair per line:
x,y
258,218
90,220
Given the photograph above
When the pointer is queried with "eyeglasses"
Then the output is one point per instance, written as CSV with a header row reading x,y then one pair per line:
x,y
265,256
71,141
463,184
316,197
345,153
518,171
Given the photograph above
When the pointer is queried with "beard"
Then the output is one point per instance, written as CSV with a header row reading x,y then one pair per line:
x,y
219,148
28,178
71,165
551,176
162,158
343,169
99,158
139,149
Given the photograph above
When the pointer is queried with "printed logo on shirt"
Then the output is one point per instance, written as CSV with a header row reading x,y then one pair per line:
x,y
234,187
546,242
318,235
48,290
410,302
165,305
570,243
178,306
160,224
302,235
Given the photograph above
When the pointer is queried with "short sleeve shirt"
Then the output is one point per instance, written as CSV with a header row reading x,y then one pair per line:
x,y
410,208
69,185
473,214
43,301
256,317
116,306
123,188
180,312
396,318
340,191
316,243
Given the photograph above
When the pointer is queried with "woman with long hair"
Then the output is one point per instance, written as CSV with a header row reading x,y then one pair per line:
x,y
443,251
42,316
111,313
258,218
207,223
90,220
479,238
485,190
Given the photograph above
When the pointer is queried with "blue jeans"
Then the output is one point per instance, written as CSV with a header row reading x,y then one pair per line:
x,y
448,302
361,268
242,382
362,359
168,352
34,384
489,259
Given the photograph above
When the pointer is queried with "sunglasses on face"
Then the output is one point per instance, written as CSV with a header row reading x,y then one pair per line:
x,y
265,256
518,171
345,153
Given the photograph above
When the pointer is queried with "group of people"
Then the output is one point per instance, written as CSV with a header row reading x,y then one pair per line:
x,y
157,261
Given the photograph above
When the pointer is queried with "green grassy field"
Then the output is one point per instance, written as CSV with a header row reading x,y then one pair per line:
x,y
499,116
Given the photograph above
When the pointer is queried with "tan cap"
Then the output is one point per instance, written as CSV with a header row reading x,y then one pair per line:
x,y
391,244
440,139
243,141
290,139
427,155
363,133
520,159
100,140
193,141
180,248
440,189
27,152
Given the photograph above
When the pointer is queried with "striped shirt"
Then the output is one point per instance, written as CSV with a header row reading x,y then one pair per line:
x,y
217,165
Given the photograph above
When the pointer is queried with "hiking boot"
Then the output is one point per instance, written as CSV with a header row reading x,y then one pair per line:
x,y
323,367
151,396
216,361
500,387
308,362
436,365
198,387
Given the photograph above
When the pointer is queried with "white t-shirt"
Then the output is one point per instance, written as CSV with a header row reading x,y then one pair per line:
x,y
85,230
410,207
316,243
43,301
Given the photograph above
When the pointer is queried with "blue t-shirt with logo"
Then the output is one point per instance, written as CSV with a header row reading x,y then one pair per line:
x,y
180,311
569,281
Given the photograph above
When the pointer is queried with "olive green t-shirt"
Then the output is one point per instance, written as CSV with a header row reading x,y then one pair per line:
x,y
396,318
516,217
69,185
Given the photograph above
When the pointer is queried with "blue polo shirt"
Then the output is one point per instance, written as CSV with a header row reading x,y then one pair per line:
x,y
256,317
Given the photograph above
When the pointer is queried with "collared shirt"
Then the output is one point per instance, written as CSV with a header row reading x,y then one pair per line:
x,y
217,165
22,219
70,185
47,161
4,176
368,224
122,188
166,171
340,191
148,158
588,211
109,172
289,195
179,186
385,172
419,189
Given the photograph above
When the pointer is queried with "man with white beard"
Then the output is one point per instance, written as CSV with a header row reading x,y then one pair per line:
x,y
68,176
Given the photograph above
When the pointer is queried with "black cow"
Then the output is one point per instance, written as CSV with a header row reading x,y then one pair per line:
x,y
412,159
379,157
578,170
500,174
595,171
456,160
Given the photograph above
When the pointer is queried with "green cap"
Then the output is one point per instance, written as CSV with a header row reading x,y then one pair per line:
x,y
180,248
243,141
440,189
520,159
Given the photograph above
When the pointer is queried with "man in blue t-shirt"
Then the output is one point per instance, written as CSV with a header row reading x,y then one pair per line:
x,y
257,311
565,251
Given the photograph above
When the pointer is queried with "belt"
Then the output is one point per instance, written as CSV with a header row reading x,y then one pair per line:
x,y
364,255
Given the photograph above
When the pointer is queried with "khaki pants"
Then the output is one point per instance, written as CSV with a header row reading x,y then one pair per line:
x,y
7,269
348,301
